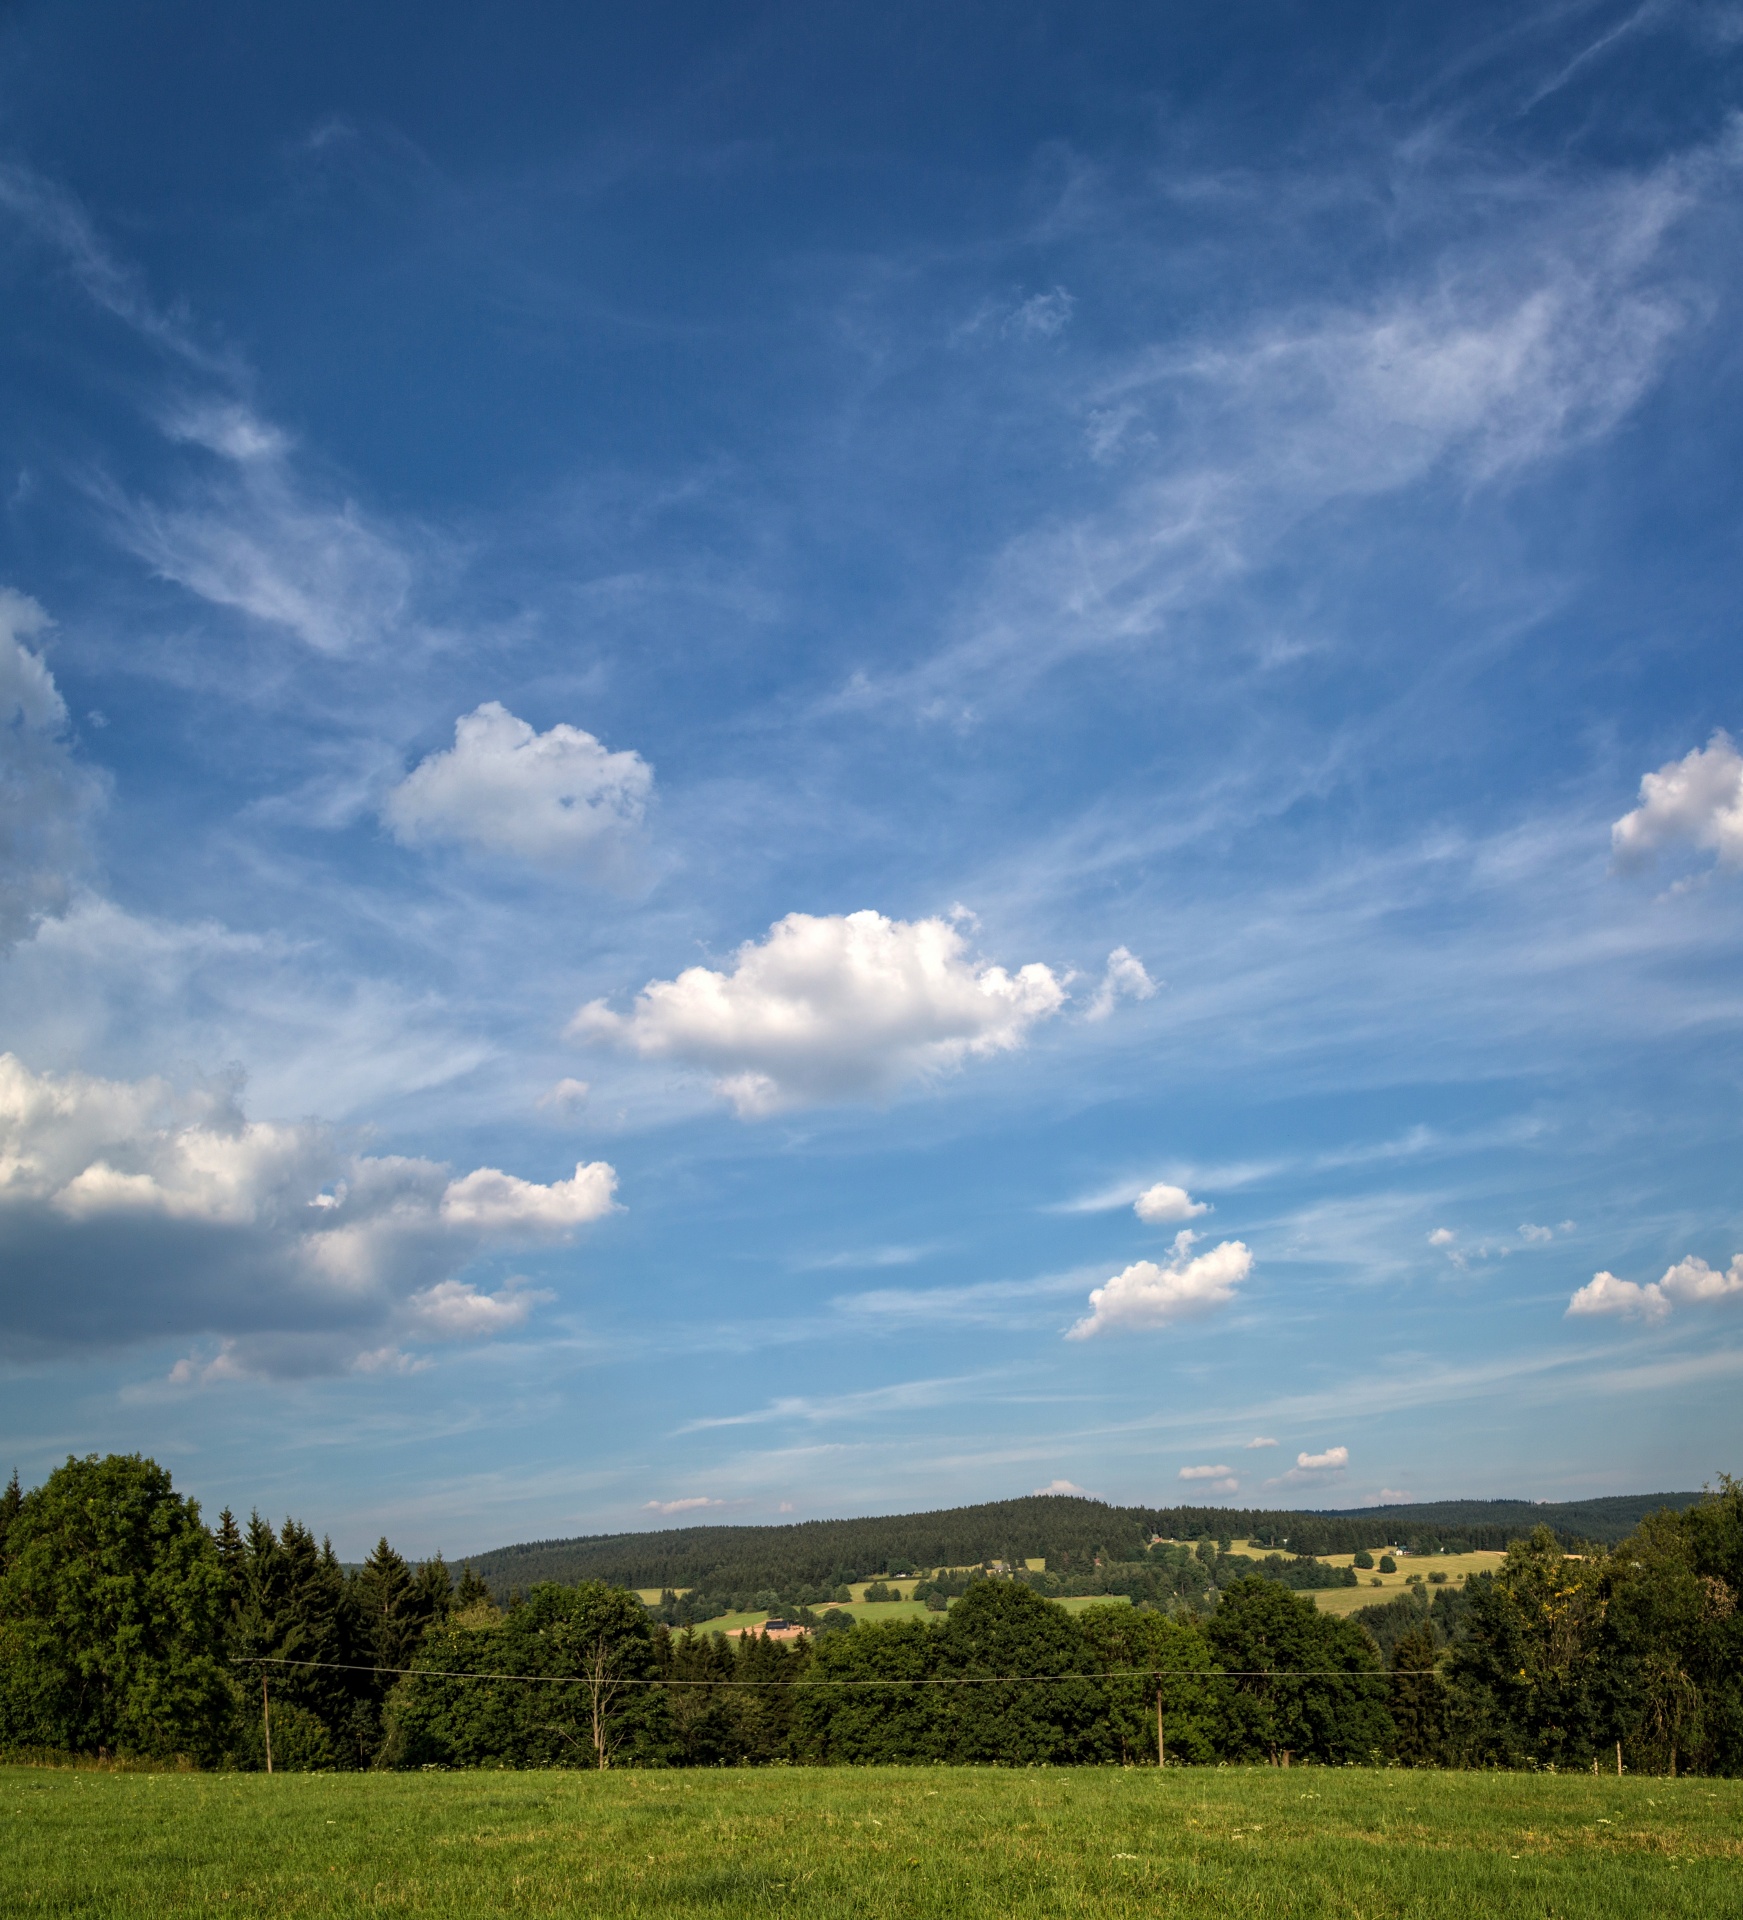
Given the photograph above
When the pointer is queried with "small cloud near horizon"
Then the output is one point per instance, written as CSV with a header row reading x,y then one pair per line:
x,y
1215,1479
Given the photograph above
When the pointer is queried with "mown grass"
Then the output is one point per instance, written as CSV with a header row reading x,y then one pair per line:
x,y
877,1844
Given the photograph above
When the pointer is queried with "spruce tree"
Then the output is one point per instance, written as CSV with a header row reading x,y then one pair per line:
x,y
386,1595
471,1592
433,1593
10,1503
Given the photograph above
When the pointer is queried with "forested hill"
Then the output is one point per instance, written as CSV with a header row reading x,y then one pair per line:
x,y
1065,1532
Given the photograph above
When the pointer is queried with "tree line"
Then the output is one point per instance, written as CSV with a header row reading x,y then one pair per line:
x,y
129,1627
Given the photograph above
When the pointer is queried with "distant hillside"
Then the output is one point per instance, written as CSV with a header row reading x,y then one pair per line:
x,y
1066,1532
1608,1520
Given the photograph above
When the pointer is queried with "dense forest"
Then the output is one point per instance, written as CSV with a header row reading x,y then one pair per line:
x,y
130,1628
1067,1532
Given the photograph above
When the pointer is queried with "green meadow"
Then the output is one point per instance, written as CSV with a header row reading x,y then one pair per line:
x,y
879,1844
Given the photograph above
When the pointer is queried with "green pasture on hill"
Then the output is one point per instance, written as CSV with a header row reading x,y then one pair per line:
x,y
906,1610
888,1843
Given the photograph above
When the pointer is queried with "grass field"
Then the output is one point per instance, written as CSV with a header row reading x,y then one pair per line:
x,y
896,1610
1377,1587
875,1844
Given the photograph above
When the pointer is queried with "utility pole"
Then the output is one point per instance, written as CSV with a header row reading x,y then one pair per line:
x,y
266,1719
1161,1744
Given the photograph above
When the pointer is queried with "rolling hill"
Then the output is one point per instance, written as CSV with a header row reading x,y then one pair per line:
x,y
1066,1531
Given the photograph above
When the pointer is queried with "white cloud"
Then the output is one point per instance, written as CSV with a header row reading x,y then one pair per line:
x,y
566,1097
455,1310
253,536
1604,1294
1205,1473
1043,315
1442,1237
1697,799
1502,354
1535,1236
1333,1460
694,1504
832,1007
500,1202
132,1210
44,794
1065,1487
57,219
557,798
1145,1295
1689,1283
1161,1204
1125,979
1260,1440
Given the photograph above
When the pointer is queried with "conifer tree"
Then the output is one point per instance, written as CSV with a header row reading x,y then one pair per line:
x,y
386,1594
433,1593
471,1592
10,1502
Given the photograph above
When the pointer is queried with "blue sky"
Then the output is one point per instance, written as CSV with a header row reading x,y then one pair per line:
x,y
822,760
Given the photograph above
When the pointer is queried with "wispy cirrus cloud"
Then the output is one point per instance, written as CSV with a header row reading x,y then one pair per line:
x,y
251,528
47,797
815,1410
1498,356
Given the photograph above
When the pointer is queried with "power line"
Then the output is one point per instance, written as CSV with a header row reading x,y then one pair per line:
x,y
930,1680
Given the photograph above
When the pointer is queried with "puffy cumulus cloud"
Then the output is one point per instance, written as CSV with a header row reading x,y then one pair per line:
x,y
557,799
693,1503
1260,1440
832,1007
1690,1283
1125,979
1314,1467
1064,1489
1161,1204
1442,1237
500,1202
44,794
131,1210
1223,1476
1146,1295
1696,801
